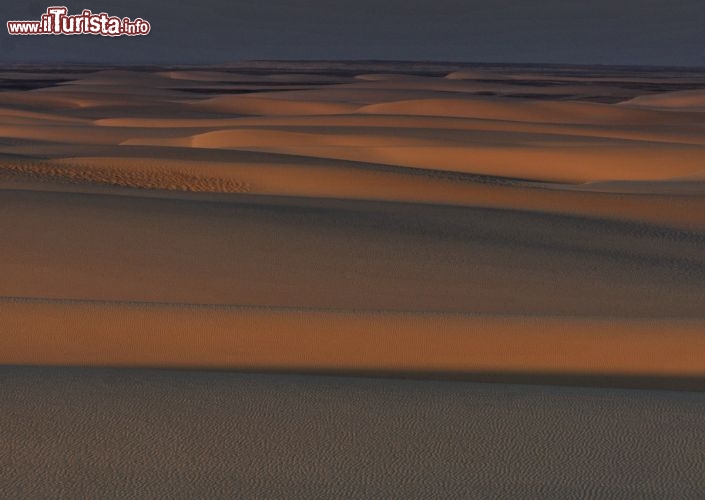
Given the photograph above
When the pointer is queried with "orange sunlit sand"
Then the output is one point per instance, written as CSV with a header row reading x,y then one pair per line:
x,y
481,221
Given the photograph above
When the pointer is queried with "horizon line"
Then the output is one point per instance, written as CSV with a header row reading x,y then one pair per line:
x,y
438,62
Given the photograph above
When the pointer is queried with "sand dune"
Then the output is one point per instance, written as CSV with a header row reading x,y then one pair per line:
x,y
21,116
428,126
687,100
352,196
541,112
146,433
263,106
370,222
255,250
55,332
543,158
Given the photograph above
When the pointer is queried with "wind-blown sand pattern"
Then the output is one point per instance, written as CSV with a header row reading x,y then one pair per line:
x,y
491,224
146,434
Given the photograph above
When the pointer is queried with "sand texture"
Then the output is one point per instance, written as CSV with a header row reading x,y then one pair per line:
x,y
518,224
145,434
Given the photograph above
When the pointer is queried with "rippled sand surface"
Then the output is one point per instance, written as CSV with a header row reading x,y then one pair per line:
x,y
146,434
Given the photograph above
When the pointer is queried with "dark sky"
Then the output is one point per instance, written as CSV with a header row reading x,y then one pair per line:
x,y
640,32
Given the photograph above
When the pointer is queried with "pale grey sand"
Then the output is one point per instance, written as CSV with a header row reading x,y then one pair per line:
x,y
101,433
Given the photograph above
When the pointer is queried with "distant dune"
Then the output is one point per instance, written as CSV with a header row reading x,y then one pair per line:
x,y
686,100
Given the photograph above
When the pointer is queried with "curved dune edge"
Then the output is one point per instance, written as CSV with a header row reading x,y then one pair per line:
x,y
521,111
519,161
378,123
248,105
672,204
685,100
59,332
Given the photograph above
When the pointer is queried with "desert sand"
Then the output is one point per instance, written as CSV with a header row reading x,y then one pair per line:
x,y
420,221
96,433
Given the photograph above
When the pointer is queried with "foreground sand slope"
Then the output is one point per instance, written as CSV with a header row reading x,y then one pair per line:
x,y
330,254
146,434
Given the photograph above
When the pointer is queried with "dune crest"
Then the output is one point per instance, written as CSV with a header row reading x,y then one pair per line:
x,y
268,107
686,100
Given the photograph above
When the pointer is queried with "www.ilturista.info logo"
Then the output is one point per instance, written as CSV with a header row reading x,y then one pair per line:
x,y
56,21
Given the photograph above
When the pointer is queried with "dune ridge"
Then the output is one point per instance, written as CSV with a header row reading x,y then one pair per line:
x,y
61,332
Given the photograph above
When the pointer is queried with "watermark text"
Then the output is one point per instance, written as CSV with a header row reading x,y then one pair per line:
x,y
57,21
